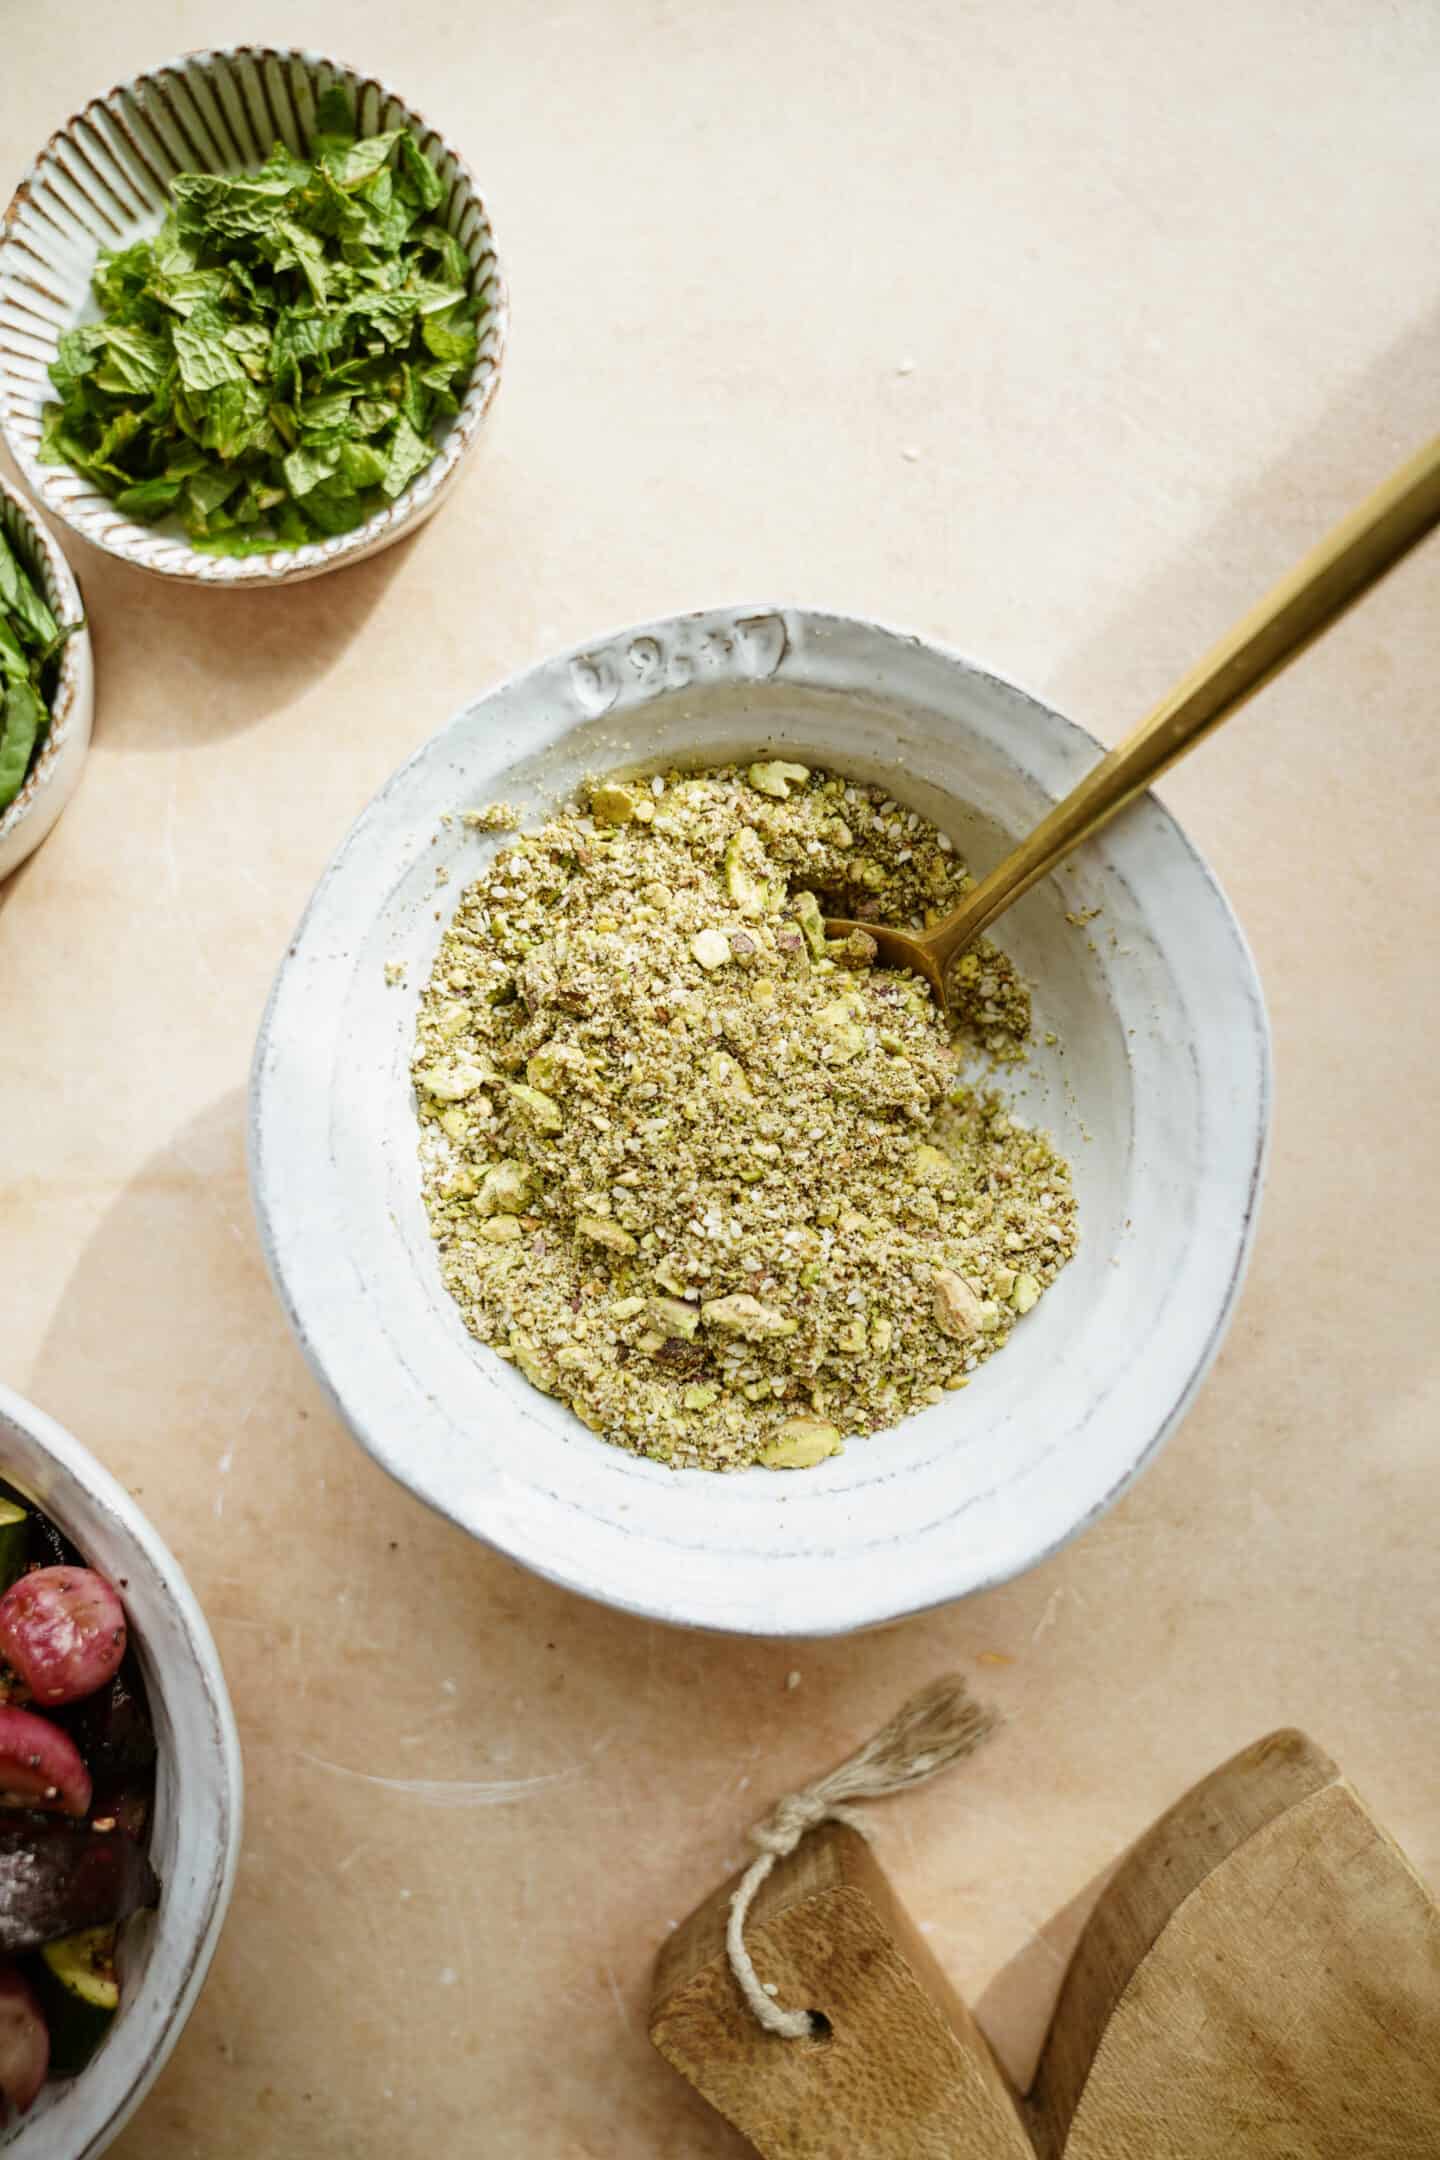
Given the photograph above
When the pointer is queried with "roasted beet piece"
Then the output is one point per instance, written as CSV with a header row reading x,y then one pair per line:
x,y
112,1729
57,1877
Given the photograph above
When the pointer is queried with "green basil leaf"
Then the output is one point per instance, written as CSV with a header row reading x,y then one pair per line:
x,y
14,660
31,617
22,717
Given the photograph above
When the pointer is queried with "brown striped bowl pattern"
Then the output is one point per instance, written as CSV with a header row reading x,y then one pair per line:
x,y
103,181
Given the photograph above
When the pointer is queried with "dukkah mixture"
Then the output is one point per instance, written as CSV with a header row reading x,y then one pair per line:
x,y
706,1175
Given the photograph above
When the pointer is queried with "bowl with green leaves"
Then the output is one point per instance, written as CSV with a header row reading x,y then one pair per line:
x,y
47,681
251,318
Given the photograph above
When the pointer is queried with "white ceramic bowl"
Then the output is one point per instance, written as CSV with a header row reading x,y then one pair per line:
x,y
102,180
195,1841
1158,1091
56,773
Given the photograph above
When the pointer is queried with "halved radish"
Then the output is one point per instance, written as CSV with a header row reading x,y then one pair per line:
x,y
63,1630
24,2040
40,1766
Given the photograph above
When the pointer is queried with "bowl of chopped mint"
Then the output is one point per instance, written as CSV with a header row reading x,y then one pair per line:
x,y
47,681
251,318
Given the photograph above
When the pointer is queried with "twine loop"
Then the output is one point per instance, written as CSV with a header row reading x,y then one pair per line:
x,y
932,1731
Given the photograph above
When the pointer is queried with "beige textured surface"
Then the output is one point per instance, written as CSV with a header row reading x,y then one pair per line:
x,y
1167,278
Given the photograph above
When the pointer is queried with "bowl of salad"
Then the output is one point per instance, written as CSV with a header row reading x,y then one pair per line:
x,y
120,1796
47,681
251,318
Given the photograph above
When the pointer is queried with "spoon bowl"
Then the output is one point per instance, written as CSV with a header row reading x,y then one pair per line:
x,y
905,949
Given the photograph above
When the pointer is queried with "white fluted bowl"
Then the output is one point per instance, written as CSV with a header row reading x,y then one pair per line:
x,y
102,181
56,772
195,1836
1157,1090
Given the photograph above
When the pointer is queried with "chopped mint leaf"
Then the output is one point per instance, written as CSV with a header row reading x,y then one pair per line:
x,y
149,498
272,365
417,175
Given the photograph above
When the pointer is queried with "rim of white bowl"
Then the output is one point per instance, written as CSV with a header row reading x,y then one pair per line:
x,y
331,1362
60,589
161,553
206,1673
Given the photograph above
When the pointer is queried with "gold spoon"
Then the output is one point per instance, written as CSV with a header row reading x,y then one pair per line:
x,y
1352,558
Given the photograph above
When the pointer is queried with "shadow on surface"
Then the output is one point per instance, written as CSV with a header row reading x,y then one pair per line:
x,y
10,886
403,1694
1020,2001
246,653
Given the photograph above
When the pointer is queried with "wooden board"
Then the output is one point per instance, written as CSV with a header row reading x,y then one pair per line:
x,y
1260,1980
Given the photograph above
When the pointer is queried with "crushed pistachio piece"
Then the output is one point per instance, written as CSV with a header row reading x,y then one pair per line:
x,y
800,1443
776,778
540,1108
504,1189
744,1315
845,1034
450,1082
750,877
601,1231
501,1230
611,804
807,913
958,1311
532,1363
856,950
931,1166
711,948
1026,1294
551,1066
672,1316
492,817
708,1166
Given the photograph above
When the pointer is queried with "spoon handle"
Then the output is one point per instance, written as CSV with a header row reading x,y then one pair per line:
x,y
1344,565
